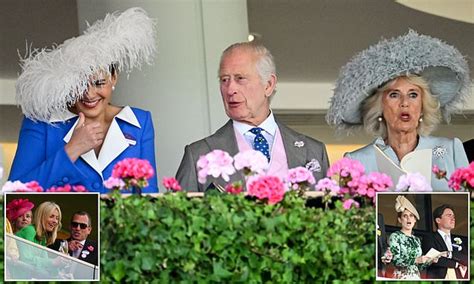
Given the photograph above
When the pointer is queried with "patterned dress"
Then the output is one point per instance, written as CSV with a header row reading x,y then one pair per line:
x,y
405,249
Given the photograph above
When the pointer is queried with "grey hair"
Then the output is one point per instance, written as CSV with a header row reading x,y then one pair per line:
x,y
265,63
372,109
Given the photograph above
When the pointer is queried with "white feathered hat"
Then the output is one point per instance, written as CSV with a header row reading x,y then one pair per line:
x,y
441,65
53,79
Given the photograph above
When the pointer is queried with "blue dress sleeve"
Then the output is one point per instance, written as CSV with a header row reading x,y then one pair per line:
x,y
460,158
148,152
33,162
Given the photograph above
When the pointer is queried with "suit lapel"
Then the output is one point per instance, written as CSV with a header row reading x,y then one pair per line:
x,y
224,139
296,156
440,242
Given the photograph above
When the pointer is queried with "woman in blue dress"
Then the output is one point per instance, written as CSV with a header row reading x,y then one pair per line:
x,y
72,133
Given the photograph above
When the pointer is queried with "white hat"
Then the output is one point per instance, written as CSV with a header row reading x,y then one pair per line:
x,y
53,79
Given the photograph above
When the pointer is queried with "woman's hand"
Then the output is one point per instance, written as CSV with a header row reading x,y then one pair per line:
x,y
387,257
85,137
422,259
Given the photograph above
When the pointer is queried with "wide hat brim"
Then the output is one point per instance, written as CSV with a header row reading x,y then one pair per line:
x,y
17,208
441,65
402,204
54,79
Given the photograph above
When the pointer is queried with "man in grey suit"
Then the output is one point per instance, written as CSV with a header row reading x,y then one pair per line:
x,y
247,83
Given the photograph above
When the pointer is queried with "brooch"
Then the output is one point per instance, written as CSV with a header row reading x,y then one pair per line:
x,y
313,166
439,151
299,144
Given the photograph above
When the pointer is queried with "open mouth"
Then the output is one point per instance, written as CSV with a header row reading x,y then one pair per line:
x,y
405,117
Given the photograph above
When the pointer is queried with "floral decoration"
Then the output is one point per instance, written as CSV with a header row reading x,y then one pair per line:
x,y
34,186
462,179
347,178
134,173
171,184
414,182
216,163
253,164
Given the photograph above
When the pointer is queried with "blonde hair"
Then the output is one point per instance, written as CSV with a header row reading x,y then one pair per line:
x,y
372,108
42,213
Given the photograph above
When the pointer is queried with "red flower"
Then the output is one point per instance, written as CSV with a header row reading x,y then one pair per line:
x,y
170,183
90,248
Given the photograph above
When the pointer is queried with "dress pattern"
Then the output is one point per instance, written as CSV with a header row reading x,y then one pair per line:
x,y
405,249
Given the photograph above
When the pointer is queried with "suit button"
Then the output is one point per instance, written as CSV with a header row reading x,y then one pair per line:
x,y
60,183
96,185
65,179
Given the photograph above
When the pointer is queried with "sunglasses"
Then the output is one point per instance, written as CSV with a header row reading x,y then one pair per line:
x,y
82,225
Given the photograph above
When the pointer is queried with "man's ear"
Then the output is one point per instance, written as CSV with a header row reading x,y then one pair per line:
x,y
436,220
270,86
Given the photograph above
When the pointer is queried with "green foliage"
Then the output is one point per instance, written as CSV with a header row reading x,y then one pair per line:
x,y
227,238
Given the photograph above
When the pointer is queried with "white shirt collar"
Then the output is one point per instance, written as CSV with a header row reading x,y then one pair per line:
x,y
443,234
269,125
126,114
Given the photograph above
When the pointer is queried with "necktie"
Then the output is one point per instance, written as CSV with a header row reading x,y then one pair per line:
x,y
259,142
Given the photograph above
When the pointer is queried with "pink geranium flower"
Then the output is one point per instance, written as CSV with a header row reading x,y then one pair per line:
x,y
413,182
350,203
170,183
18,186
216,163
300,178
251,162
114,183
328,185
266,187
133,168
234,188
462,178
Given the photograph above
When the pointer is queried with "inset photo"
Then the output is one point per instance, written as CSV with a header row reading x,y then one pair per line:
x,y
52,236
423,236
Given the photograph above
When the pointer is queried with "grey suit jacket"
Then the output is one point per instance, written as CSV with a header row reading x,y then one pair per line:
x,y
224,139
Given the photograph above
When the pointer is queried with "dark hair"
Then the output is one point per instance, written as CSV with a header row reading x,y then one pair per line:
x,y
82,213
439,211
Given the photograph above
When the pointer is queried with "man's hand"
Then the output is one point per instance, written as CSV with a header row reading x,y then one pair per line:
x,y
85,137
74,246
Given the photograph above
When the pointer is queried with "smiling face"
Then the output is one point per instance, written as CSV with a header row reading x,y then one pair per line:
x,y
98,96
24,220
80,227
408,220
402,106
246,98
51,221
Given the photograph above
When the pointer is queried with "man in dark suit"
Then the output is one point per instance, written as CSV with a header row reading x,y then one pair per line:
x,y
454,266
79,245
247,83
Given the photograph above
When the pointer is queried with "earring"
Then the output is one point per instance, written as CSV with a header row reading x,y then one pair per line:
x,y
113,88
420,119
380,118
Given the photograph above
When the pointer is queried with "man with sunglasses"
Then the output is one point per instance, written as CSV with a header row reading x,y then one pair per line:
x,y
79,246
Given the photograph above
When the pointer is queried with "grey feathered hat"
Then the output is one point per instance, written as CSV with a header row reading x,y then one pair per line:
x,y
441,65
53,79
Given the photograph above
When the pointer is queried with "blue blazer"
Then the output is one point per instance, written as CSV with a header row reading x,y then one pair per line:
x,y
447,153
41,156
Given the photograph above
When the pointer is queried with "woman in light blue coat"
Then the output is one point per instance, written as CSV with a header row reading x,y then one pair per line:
x,y
398,91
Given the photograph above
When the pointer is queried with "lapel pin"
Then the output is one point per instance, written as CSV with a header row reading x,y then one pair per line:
x,y
299,144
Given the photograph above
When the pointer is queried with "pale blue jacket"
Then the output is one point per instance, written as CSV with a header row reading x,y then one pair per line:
x,y
448,154
41,156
